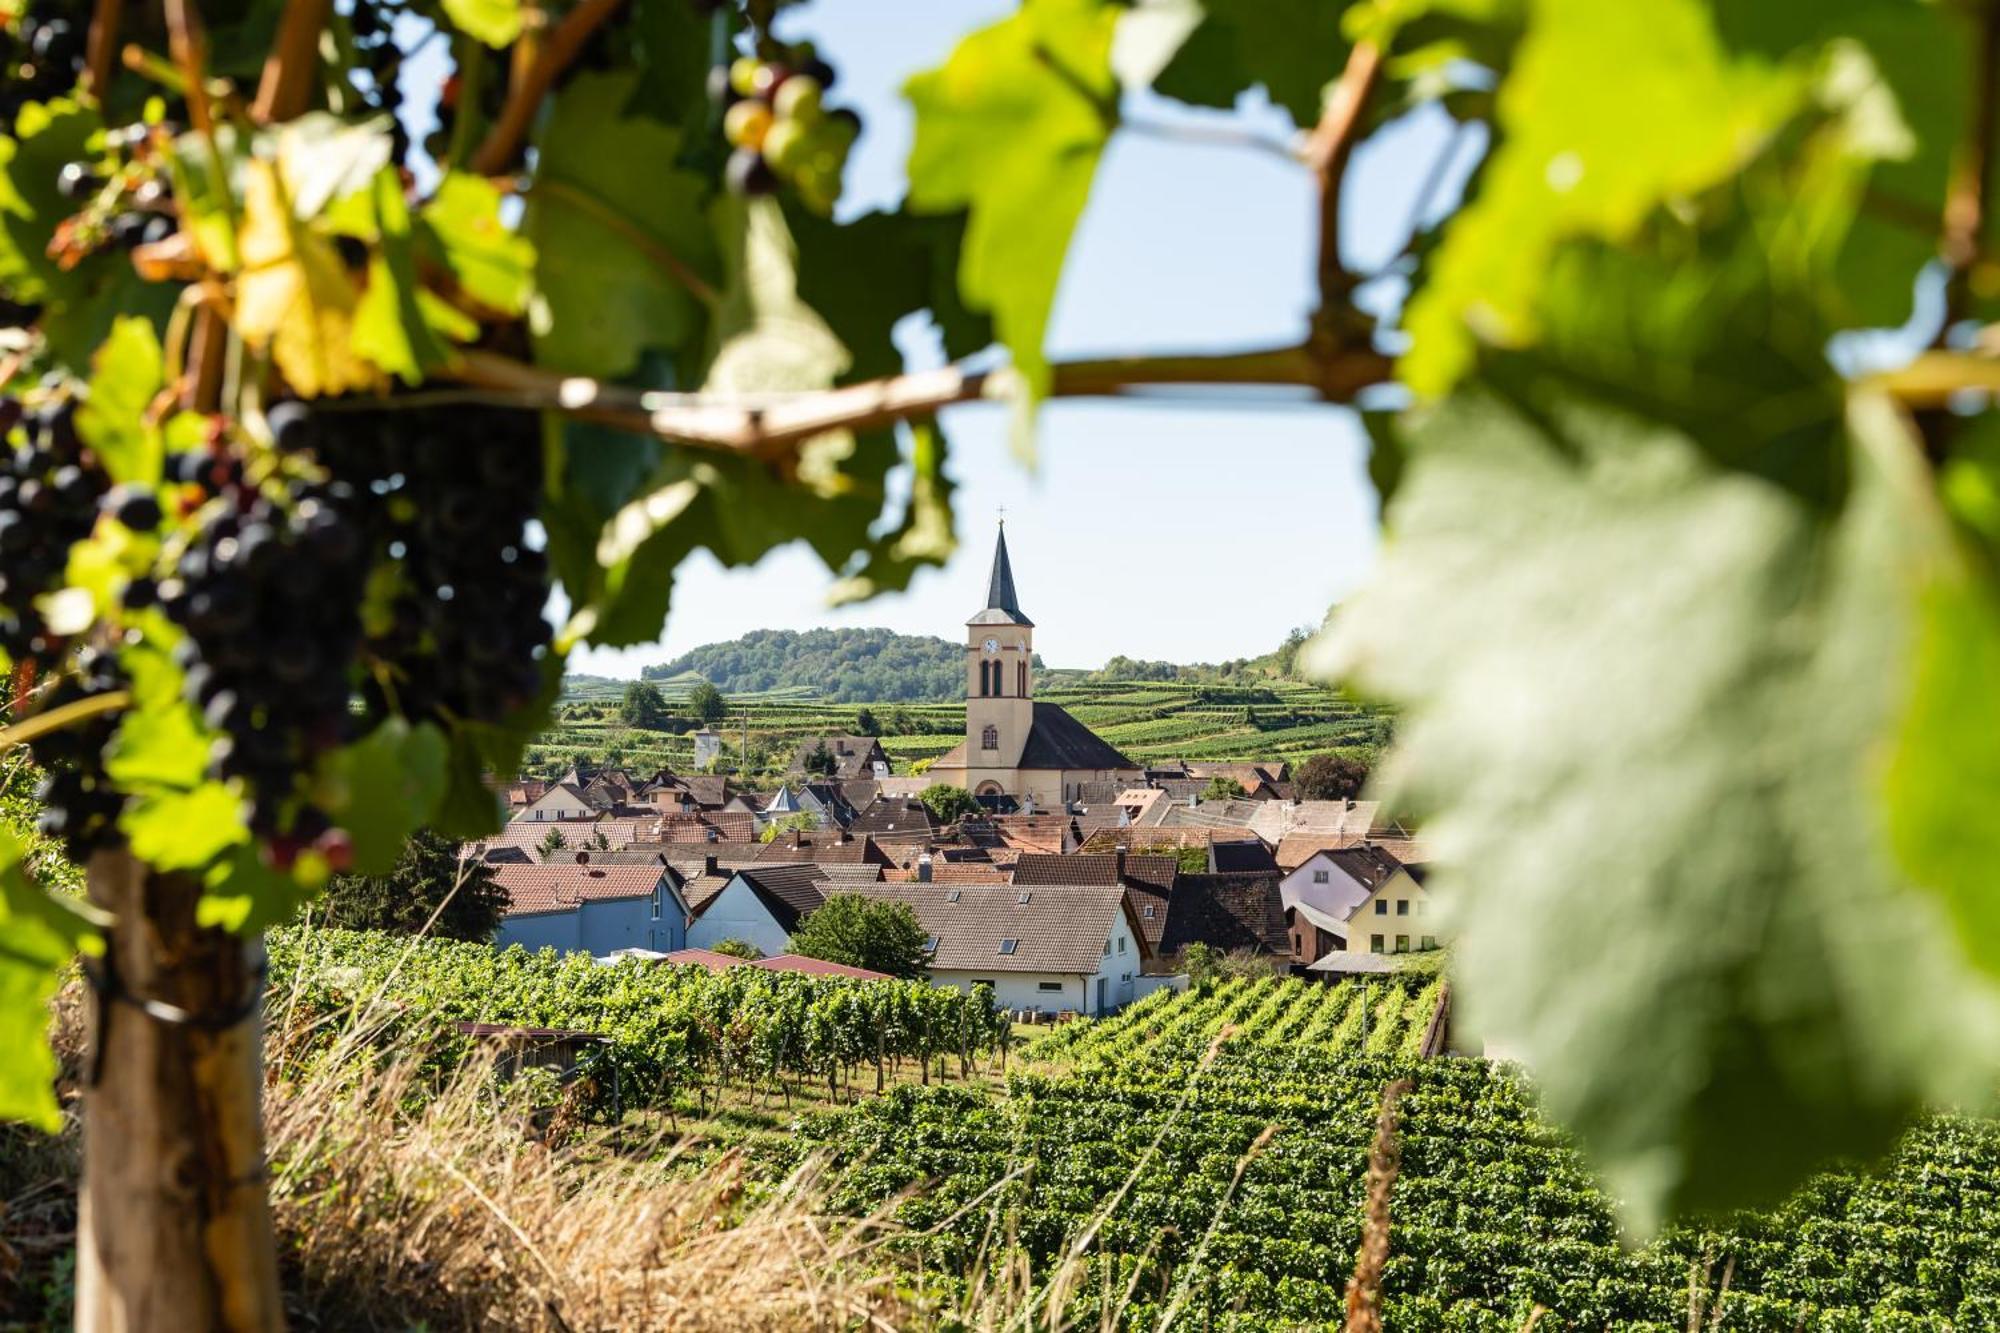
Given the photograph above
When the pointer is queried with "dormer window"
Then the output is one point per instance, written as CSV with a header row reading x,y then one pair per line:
x,y
931,944
1008,946
1022,897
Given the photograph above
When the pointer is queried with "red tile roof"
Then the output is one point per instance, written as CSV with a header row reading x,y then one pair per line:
x,y
560,886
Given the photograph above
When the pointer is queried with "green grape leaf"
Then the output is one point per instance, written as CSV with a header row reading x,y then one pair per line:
x,y
494,22
126,374
38,938
45,137
866,275
671,44
1645,708
1581,154
1946,760
184,830
770,341
395,326
613,238
461,230
1010,128
924,539
160,741
240,893
382,785
1292,48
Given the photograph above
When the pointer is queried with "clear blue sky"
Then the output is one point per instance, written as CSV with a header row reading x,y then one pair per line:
x,y
1190,531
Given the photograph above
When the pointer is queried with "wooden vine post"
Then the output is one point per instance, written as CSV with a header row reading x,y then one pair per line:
x,y
175,1228
175,1231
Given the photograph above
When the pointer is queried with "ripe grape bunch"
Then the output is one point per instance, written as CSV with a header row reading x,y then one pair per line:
x,y
123,199
775,119
49,489
268,589
453,490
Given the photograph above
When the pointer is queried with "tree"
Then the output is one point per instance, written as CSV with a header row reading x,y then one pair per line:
x,y
802,822
706,702
281,380
1222,789
948,803
1330,777
431,888
552,842
738,949
820,761
643,706
1202,964
865,723
864,932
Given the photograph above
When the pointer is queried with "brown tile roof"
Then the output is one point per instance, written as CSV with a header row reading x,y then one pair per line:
x,y
560,886
1096,868
900,818
1137,840
825,849
865,872
1227,912
817,967
577,834
1059,929
1242,855
853,756
1037,833
1058,741
959,872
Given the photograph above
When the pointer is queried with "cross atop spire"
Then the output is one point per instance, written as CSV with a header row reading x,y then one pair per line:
x,y
1003,605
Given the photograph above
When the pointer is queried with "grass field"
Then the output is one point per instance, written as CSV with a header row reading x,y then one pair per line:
x,y
1147,721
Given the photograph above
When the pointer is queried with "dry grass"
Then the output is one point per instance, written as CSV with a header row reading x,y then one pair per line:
x,y
458,1214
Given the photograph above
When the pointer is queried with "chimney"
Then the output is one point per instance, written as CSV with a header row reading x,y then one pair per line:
x,y
924,868
844,838
583,858
1121,862
709,866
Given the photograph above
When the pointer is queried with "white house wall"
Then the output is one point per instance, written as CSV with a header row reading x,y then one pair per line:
x,y
737,914
1021,990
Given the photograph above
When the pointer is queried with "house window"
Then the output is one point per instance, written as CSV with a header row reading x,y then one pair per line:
x,y
1149,911
1319,877
1022,897
1121,944
1381,907
1021,679
1107,948
931,944
1430,942
1049,985
658,894
1419,908
990,984
1375,944
989,739
1008,946
1402,907
1402,944
951,895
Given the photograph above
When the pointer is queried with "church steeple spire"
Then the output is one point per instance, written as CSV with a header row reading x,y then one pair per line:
x,y
1003,605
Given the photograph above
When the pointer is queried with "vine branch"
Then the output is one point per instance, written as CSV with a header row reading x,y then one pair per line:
x,y
101,51
1967,202
1327,152
510,127
768,426
286,86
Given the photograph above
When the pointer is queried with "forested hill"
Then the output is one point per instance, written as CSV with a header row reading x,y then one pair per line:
x,y
846,665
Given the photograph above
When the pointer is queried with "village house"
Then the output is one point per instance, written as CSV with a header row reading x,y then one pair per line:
x,y
761,905
1230,913
845,758
1072,948
1356,899
578,906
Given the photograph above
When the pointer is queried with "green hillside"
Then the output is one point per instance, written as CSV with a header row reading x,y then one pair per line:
x,y
1147,720
846,665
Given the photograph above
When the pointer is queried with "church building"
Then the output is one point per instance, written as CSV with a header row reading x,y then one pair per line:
x,y
1015,745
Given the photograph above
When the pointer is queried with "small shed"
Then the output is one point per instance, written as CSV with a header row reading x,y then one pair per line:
x,y
560,1049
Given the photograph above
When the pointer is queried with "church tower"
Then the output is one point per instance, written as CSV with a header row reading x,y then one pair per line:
x,y
999,681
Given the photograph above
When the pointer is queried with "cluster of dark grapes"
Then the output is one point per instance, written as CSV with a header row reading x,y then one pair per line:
x,y
781,131
42,57
375,50
269,592
49,491
79,802
454,489
124,200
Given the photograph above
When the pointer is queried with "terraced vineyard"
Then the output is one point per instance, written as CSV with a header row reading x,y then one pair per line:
x,y
1147,721
1219,1184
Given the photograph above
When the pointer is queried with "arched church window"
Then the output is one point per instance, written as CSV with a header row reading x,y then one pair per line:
x,y
989,739
1021,679
985,679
